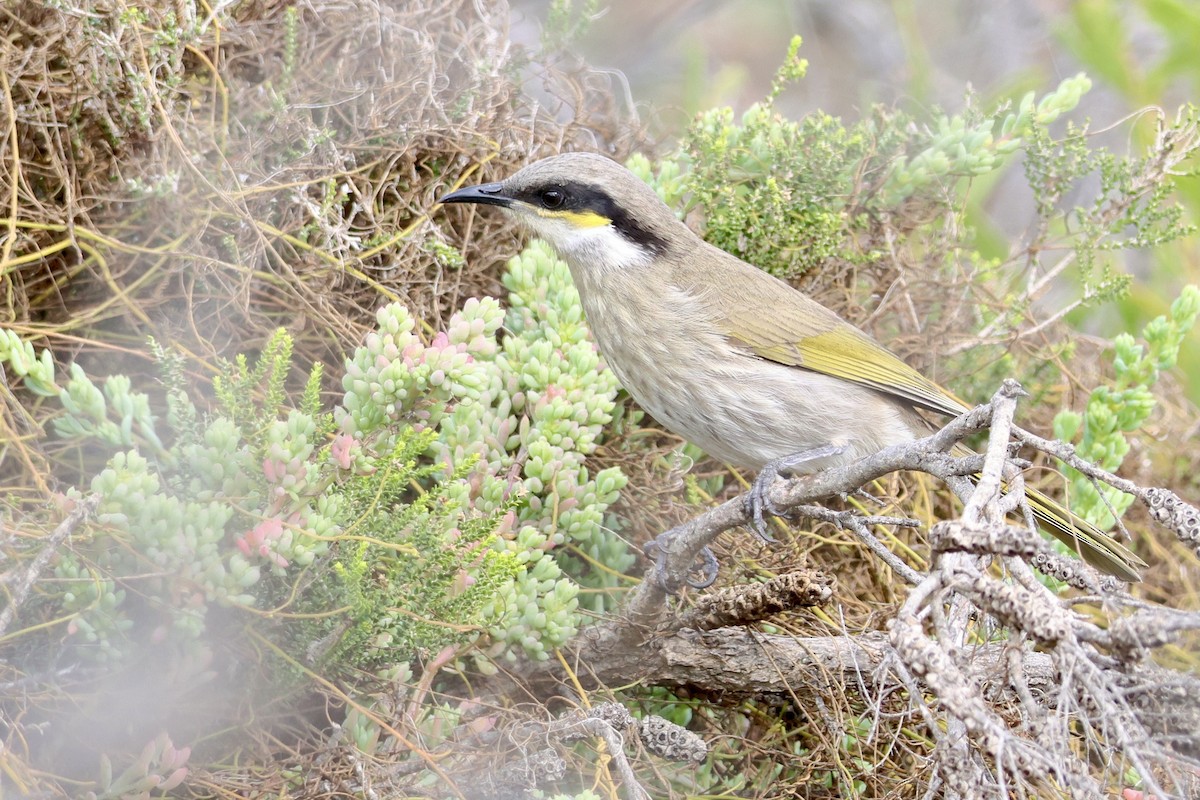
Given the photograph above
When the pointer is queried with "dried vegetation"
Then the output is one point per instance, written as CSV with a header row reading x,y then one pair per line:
x,y
207,174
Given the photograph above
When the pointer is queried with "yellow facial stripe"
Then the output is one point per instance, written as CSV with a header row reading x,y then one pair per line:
x,y
580,219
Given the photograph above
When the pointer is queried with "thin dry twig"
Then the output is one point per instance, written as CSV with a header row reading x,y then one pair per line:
x,y
49,547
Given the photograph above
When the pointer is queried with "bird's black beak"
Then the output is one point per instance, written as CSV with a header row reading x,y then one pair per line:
x,y
490,194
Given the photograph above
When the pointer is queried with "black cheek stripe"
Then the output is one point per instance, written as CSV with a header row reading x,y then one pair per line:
x,y
586,197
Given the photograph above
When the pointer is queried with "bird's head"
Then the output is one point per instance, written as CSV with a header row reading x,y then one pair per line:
x,y
593,211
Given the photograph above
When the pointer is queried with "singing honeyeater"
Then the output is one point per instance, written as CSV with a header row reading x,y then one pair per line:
x,y
740,363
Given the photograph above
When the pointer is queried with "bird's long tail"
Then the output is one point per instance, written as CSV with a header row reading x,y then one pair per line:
x,y
1080,536
1091,544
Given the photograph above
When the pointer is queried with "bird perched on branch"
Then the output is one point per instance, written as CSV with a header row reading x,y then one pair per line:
x,y
740,363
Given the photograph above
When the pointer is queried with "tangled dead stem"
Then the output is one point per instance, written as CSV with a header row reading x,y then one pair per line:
x,y
205,174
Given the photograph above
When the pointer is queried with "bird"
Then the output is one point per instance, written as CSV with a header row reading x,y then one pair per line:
x,y
738,362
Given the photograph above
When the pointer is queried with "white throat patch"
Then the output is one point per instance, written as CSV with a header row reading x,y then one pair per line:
x,y
599,246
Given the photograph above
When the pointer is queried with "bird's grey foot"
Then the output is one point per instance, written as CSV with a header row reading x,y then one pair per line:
x,y
757,501
656,548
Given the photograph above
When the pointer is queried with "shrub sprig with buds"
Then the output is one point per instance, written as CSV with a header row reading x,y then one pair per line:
x,y
1122,407
524,411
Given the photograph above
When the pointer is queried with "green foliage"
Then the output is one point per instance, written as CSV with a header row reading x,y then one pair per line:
x,y
794,68
1124,406
569,397
111,415
37,372
158,768
792,195
412,567
445,255
444,497
538,402
1145,51
1128,204
291,27
507,423
1134,207
231,498
566,24
963,147
239,381
774,213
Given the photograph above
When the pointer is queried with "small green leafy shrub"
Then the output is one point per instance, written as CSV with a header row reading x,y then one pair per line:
x,y
539,400
1123,407
789,195
446,495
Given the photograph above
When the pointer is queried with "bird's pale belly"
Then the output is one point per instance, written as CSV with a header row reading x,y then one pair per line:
x,y
748,416
749,424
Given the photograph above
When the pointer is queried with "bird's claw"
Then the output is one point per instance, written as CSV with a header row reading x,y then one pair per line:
x,y
708,571
758,505
758,501
758,498
656,548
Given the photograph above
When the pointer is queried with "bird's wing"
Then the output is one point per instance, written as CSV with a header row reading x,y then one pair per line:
x,y
844,352
779,323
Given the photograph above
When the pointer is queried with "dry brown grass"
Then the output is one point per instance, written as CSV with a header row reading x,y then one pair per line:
x,y
206,180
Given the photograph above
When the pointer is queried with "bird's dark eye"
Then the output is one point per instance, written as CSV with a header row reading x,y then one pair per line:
x,y
552,198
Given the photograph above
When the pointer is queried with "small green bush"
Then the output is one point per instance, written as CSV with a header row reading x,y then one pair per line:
x,y
1112,411
790,195
436,502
